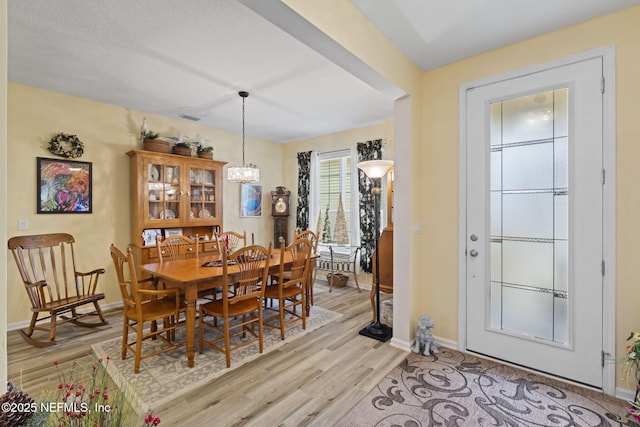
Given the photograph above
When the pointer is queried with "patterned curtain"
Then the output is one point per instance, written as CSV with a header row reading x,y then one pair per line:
x,y
370,150
304,174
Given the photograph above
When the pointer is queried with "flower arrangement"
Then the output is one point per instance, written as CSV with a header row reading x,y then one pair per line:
x,y
634,411
83,398
66,145
630,362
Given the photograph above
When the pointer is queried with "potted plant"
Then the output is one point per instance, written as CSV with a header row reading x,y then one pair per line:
x,y
151,142
182,148
205,152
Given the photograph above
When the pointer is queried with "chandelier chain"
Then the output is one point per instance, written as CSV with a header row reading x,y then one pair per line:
x,y
243,162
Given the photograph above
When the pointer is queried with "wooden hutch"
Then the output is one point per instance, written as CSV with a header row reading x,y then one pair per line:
x,y
173,194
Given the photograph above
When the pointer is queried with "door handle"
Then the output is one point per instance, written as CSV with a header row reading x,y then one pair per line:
x,y
473,253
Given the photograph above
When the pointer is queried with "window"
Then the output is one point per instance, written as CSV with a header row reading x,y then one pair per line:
x,y
335,224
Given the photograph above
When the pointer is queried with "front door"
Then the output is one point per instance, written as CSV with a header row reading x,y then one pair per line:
x,y
534,220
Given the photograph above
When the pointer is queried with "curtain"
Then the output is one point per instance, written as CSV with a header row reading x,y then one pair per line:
x,y
304,175
369,150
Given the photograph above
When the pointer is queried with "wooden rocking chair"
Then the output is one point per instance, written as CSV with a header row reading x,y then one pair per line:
x,y
48,269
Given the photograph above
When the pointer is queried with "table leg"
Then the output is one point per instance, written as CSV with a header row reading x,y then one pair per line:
x,y
191,296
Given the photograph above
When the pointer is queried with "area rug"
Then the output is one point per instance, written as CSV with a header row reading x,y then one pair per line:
x,y
458,389
166,376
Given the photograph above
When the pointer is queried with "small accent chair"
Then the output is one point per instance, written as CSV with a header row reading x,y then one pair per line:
x,y
248,272
290,292
55,287
145,305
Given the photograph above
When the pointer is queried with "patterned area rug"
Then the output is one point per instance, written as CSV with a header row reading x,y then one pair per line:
x,y
164,377
456,389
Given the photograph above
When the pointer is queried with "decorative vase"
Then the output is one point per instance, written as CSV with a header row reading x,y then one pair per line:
x,y
182,151
206,155
156,145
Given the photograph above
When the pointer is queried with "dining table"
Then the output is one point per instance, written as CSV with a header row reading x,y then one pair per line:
x,y
196,274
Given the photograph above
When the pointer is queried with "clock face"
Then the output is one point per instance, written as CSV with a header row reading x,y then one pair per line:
x,y
281,206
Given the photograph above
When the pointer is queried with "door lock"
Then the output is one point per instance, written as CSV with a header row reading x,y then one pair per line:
x,y
473,253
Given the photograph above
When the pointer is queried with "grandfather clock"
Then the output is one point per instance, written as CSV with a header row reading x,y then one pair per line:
x,y
280,213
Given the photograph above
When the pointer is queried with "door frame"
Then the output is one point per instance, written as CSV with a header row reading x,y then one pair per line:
x,y
609,199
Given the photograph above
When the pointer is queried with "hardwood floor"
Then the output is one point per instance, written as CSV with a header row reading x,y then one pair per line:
x,y
311,381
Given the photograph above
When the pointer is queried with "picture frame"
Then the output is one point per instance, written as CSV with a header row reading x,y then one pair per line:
x,y
150,235
64,186
170,232
251,200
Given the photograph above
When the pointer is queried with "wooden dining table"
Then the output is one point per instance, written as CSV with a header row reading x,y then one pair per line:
x,y
191,276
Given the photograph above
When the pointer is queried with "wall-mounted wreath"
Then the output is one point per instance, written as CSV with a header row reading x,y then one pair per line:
x,y
66,145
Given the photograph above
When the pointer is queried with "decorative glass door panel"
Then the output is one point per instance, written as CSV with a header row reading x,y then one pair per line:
x,y
203,197
529,217
533,219
163,191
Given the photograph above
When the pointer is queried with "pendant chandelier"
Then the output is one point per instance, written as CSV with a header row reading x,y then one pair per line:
x,y
247,173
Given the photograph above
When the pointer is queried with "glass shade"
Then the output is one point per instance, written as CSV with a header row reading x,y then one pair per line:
x,y
375,168
243,174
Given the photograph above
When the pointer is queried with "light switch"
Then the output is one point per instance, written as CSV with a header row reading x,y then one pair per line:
x,y
23,224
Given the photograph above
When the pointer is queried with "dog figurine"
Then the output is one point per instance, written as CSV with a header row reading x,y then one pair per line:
x,y
425,342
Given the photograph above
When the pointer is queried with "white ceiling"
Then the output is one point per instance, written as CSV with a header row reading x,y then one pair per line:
x,y
191,57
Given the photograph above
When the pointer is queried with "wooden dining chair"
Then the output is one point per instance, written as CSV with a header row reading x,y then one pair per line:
x,y
247,269
144,305
290,289
231,240
56,288
177,247
314,240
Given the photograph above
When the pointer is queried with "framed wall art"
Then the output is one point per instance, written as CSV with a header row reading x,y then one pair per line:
x,y
170,232
251,200
64,186
150,235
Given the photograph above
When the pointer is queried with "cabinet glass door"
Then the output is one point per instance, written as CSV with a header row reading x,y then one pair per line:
x,y
202,192
163,191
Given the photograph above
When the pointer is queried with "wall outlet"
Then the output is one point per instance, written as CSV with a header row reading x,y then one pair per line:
x,y
23,224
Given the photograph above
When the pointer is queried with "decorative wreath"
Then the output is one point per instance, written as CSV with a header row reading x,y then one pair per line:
x,y
67,146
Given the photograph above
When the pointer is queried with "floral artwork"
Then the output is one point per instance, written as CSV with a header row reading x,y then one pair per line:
x,y
64,186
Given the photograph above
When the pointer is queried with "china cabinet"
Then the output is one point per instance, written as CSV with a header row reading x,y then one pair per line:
x,y
172,194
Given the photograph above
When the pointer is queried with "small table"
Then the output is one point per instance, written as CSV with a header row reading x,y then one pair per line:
x,y
191,277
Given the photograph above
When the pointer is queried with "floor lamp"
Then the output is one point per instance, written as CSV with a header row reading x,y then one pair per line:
x,y
375,170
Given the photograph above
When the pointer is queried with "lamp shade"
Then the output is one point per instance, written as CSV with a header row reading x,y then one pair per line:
x,y
243,174
375,168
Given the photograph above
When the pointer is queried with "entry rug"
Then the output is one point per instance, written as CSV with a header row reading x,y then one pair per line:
x,y
457,389
164,377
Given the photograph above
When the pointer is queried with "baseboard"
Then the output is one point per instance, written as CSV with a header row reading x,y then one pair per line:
x,y
625,394
105,307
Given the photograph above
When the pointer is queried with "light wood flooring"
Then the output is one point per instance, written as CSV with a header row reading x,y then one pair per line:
x,y
311,381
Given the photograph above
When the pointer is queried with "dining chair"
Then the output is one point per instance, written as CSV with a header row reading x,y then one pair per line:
x,y
231,240
290,289
249,270
177,247
314,240
144,305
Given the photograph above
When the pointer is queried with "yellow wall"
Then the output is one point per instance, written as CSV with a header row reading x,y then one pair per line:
x,y
108,132
439,294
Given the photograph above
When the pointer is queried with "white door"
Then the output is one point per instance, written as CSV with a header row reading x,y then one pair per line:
x,y
534,220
